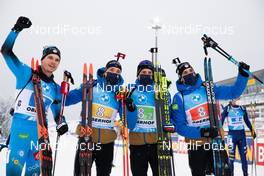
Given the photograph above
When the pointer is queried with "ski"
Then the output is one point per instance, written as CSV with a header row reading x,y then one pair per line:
x,y
164,146
45,153
64,90
221,166
83,156
121,96
164,143
167,126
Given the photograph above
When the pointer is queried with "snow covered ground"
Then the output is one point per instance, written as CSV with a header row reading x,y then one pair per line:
x,y
66,154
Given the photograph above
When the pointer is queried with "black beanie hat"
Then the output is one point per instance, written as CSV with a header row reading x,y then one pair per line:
x,y
145,64
50,50
113,63
181,67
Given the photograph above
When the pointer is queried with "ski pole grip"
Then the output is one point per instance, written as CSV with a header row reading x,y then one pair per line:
x,y
67,76
153,50
65,87
209,42
176,61
120,55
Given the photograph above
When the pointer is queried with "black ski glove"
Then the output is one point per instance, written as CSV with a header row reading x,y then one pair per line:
x,y
62,127
209,132
22,22
130,104
243,66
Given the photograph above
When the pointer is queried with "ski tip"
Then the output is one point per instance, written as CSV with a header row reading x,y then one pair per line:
x,y
34,64
91,69
205,61
85,68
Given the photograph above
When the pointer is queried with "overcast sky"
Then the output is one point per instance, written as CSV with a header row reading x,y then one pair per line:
x,y
94,31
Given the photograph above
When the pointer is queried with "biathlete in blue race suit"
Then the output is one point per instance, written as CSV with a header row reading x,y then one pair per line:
x,y
236,116
189,113
143,126
104,111
23,146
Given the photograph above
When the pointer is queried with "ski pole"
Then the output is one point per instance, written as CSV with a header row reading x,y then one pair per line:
x,y
154,52
117,145
121,96
209,42
65,86
253,167
253,145
172,157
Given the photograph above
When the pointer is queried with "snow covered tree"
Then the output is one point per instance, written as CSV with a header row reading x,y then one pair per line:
x,y
5,117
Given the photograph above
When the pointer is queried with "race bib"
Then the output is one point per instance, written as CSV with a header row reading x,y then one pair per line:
x,y
25,104
146,122
198,116
103,116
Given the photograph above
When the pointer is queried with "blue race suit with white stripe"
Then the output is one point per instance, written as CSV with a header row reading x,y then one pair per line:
x,y
189,111
23,147
236,116
105,107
